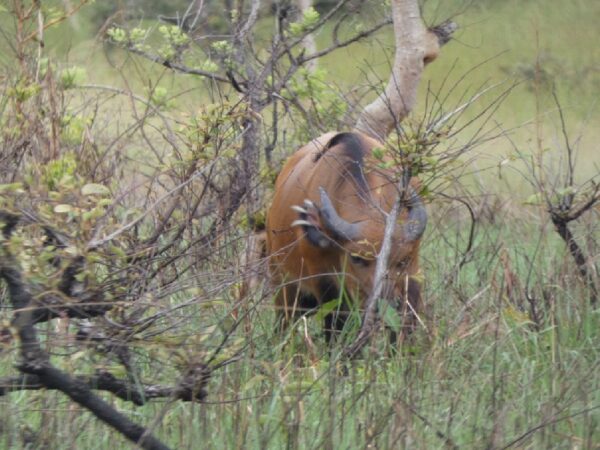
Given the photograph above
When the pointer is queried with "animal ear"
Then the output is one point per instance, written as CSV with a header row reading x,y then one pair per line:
x,y
309,218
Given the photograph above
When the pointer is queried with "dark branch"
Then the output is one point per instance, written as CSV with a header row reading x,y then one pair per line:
x,y
564,211
177,66
444,31
34,361
51,306
104,381
562,228
345,43
234,82
53,378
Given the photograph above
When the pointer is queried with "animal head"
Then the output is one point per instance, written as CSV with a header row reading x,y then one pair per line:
x,y
351,244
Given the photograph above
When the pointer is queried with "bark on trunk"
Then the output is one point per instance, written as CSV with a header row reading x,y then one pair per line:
x,y
415,47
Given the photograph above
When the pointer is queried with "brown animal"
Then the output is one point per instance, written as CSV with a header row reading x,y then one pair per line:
x,y
326,225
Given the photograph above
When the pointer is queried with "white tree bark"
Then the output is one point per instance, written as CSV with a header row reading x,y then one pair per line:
x,y
415,47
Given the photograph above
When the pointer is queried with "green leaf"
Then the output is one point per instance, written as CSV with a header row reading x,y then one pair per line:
x,y
310,17
62,209
11,187
535,199
569,190
254,381
327,308
72,76
378,153
117,34
298,387
95,189
390,315
117,251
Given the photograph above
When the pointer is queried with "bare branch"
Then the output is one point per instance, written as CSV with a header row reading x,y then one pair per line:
x,y
178,67
363,34
381,269
250,21
97,242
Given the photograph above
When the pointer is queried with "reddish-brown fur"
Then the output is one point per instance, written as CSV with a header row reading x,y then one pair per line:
x,y
309,274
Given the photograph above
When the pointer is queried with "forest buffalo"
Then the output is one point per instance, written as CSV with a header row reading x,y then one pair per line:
x,y
326,225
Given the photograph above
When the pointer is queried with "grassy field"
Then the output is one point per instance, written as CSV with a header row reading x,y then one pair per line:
x,y
479,376
478,372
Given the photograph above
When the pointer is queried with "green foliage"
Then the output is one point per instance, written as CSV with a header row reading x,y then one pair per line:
x,y
118,35
72,76
211,125
310,17
224,51
58,173
174,39
24,90
136,35
378,153
159,97
173,35
476,371
73,128
418,150
44,64
11,187
222,46
389,315
325,104
208,66
95,189
133,39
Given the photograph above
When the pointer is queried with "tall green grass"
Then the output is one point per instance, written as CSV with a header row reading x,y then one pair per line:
x,y
479,374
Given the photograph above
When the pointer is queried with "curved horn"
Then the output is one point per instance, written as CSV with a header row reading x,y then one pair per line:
x,y
417,217
334,223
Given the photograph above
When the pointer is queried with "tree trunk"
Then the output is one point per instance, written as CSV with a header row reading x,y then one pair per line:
x,y
415,47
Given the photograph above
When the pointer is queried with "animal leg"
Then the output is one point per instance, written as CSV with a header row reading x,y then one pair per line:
x,y
291,303
412,307
334,321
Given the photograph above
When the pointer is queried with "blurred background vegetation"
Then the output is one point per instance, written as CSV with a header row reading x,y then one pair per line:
x,y
544,44
510,349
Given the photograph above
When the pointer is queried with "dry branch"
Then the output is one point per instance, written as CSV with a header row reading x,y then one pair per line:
x,y
566,210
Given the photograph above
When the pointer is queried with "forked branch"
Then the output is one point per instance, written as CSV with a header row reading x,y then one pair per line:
x,y
34,361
